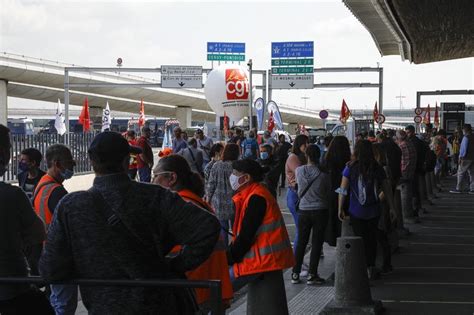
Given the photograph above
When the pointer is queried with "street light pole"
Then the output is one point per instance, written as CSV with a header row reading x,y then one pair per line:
x,y
249,64
305,98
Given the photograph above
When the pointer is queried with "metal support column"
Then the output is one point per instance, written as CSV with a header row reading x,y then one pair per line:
x,y
381,90
250,95
66,103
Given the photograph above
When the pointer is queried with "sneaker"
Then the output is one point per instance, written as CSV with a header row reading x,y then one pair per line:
x,y
314,279
303,273
295,278
455,191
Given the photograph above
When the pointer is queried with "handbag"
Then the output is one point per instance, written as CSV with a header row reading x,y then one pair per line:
x,y
297,207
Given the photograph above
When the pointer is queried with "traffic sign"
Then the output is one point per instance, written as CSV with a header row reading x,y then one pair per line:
x,y
181,70
185,82
418,111
380,119
417,119
292,70
294,82
292,49
223,57
236,48
293,62
323,114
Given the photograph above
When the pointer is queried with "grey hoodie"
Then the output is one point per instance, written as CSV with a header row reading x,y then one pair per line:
x,y
317,196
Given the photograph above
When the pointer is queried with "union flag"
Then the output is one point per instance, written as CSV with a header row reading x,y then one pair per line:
x,y
271,122
141,119
436,117
345,112
84,117
427,116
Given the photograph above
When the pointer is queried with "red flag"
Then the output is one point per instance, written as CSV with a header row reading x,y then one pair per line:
x,y
84,117
226,123
141,119
436,117
376,112
427,116
271,122
345,112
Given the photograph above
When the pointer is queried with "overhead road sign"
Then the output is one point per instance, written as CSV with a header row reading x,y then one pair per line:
x,y
292,49
181,70
380,119
223,57
292,62
323,114
417,119
418,111
185,82
293,70
294,82
235,48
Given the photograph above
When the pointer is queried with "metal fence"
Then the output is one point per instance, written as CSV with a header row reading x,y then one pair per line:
x,y
213,285
78,143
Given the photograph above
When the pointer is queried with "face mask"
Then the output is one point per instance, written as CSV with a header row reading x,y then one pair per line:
x,y
67,174
234,182
23,167
264,155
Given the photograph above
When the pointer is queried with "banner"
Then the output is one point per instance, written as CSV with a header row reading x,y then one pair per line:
x,y
260,111
106,118
60,123
273,107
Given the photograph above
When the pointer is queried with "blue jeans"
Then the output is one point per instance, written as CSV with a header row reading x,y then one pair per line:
x,y
240,282
64,299
145,174
291,200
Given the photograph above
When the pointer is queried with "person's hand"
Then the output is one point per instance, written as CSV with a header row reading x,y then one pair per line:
x,y
341,215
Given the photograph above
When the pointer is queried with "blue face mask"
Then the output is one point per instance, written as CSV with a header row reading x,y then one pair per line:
x,y
67,174
264,155
23,167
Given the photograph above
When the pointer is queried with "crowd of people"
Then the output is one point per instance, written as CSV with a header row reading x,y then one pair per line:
x,y
209,211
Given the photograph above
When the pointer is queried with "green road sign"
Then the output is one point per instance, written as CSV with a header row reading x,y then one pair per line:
x,y
288,70
223,57
292,62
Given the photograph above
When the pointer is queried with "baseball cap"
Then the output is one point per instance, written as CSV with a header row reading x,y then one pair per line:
x,y
110,145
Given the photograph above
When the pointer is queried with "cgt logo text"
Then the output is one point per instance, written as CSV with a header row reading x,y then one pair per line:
x,y
237,85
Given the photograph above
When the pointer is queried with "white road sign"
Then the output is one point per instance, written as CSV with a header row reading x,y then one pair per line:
x,y
181,70
292,82
185,82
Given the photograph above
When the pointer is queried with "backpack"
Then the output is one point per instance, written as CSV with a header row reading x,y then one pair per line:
x,y
248,149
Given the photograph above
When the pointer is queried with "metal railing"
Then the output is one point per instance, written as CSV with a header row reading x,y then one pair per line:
x,y
213,285
78,143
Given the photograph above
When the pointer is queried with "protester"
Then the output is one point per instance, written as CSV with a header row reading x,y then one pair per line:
x,y
296,159
29,172
256,251
440,144
133,164
178,142
19,227
324,146
48,193
216,155
238,138
145,159
173,172
313,192
121,229
408,168
282,153
194,156
466,160
219,191
204,143
250,147
335,160
268,139
271,167
366,184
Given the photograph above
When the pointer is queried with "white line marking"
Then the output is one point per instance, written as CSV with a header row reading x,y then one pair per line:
x,y
432,283
441,244
449,268
445,228
449,216
428,302
443,235
455,255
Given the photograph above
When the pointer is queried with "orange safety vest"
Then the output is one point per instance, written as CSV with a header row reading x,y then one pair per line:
x,y
43,191
216,266
271,249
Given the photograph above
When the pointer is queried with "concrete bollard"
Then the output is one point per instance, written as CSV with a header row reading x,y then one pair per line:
x,y
346,228
352,291
267,295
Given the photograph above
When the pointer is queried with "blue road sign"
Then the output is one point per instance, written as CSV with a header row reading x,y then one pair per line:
x,y
236,48
292,49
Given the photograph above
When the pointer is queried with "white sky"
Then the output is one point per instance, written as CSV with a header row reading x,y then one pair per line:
x,y
153,33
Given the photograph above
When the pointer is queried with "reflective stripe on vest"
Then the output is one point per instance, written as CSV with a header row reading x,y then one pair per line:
x,y
270,227
271,249
45,193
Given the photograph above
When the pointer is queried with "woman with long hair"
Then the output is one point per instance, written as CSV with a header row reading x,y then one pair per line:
x,y
295,159
215,155
173,172
334,162
219,190
313,191
365,182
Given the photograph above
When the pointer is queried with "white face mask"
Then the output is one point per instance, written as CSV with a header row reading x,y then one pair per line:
x,y
234,182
